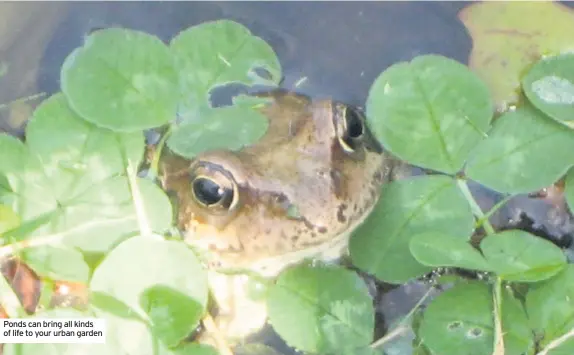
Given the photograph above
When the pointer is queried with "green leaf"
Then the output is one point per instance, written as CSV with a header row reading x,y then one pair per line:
x,y
203,66
406,208
166,284
76,154
460,321
504,161
122,79
439,249
103,216
430,112
550,307
321,309
8,219
519,256
56,263
508,37
549,85
220,128
67,181
195,349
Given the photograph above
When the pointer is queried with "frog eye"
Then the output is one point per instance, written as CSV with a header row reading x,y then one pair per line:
x,y
351,129
210,193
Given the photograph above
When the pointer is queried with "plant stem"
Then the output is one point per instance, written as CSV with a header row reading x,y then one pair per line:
x,y
557,342
498,345
154,166
495,208
463,186
145,229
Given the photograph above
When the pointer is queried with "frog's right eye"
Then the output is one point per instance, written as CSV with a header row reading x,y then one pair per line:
x,y
209,193
213,188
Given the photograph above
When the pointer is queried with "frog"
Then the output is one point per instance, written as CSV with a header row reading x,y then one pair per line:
x,y
296,194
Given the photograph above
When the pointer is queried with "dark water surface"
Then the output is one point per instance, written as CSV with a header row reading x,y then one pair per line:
x,y
341,47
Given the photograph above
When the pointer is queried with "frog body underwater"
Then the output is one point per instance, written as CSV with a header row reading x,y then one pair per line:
x,y
297,193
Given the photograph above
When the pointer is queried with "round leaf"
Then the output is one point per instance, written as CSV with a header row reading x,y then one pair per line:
x,y
438,249
159,279
515,255
77,154
430,112
550,307
460,321
219,128
122,79
549,85
504,161
569,189
203,66
321,309
406,208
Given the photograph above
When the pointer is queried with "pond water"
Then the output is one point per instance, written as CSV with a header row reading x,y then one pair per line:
x,y
339,47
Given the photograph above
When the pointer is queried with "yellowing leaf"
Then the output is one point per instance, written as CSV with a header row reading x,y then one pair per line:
x,y
508,37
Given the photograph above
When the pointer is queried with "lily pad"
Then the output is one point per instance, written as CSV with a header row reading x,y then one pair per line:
x,y
430,112
438,249
167,284
569,189
380,246
460,321
122,79
519,256
321,309
549,85
550,307
507,161
204,66
218,128
67,182
508,37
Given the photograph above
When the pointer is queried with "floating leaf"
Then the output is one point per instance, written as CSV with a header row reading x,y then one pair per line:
x,y
460,321
430,112
166,284
380,246
203,66
220,128
549,85
438,249
67,180
321,309
550,307
515,255
506,160
569,189
508,37
122,79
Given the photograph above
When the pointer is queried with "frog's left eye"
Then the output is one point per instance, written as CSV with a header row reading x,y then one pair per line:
x,y
351,127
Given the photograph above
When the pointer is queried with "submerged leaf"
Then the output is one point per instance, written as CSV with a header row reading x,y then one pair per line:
x,y
508,37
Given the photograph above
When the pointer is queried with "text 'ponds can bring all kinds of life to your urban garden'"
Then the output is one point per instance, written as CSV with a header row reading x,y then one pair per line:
x,y
53,331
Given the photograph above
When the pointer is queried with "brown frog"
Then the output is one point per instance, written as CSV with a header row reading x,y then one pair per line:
x,y
297,193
